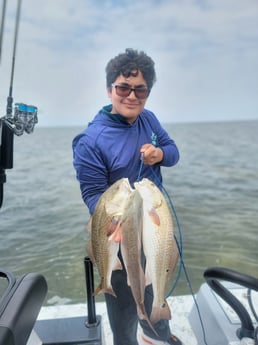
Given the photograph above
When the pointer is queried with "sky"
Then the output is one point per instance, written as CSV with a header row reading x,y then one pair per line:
x,y
205,53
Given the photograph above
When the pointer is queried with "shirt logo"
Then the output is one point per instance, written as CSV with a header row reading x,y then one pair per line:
x,y
154,139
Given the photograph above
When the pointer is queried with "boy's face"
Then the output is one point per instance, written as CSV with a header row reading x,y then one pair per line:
x,y
128,106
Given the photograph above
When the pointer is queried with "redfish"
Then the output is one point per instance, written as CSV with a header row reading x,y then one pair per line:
x,y
159,245
106,230
131,233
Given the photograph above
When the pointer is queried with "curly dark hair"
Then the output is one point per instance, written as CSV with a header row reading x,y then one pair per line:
x,y
129,64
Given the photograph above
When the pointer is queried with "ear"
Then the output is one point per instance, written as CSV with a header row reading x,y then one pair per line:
x,y
109,91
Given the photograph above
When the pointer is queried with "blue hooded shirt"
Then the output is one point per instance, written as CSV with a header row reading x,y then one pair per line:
x,y
109,149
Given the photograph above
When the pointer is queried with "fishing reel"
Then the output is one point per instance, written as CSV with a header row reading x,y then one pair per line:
x,y
24,119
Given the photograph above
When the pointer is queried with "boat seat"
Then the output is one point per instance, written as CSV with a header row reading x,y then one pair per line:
x,y
20,304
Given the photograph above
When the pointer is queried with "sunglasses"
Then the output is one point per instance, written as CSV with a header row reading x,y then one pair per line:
x,y
140,92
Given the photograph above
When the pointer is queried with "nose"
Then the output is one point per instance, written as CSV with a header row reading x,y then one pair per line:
x,y
132,94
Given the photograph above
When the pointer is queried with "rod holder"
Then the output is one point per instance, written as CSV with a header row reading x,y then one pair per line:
x,y
89,277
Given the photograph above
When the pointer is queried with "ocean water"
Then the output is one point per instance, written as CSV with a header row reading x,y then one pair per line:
x,y
214,190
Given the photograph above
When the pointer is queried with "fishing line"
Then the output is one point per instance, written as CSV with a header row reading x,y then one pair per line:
x,y
141,165
180,249
180,243
179,246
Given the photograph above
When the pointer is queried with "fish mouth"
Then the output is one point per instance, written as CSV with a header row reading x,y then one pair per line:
x,y
138,183
128,186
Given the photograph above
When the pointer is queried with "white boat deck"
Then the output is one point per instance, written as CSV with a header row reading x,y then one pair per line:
x,y
180,308
218,317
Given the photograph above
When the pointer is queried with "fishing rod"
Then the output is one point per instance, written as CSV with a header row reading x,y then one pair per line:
x,y
24,117
2,27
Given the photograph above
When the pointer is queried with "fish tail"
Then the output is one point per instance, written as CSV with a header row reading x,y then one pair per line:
x,y
110,291
143,316
100,290
159,313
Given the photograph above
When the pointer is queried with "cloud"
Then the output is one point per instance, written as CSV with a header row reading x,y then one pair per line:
x,y
206,55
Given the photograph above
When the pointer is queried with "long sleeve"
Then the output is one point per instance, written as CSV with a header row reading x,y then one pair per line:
x,y
91,173
160,138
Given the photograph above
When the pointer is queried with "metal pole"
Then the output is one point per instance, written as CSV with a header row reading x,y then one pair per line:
x,y
90,291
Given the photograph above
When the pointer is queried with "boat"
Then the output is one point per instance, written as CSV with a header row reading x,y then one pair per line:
x,y
222,312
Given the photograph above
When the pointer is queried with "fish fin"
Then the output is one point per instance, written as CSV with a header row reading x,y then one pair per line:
x,y
89,251
98,290
89,226
154,216
160,313
114,224
116,236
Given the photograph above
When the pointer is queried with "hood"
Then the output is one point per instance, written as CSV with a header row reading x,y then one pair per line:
x,y
105,118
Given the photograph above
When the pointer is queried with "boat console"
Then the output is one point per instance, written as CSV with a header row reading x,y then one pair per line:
x,y
224,312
